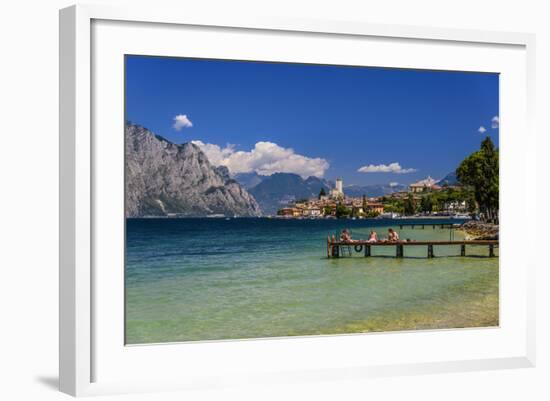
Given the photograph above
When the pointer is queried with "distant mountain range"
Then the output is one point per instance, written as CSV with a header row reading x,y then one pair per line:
x,y
280,189
249,180
163,178
449,179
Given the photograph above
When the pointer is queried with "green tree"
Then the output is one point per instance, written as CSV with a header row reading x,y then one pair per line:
x,y
426,203
322,193
342,211
470,201
480,170
409,205
393,206
371,214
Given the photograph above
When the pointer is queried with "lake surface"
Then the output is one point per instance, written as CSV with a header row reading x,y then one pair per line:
x,y
209,279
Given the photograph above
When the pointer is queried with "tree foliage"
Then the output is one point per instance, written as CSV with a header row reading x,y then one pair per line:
x,y
426,203
372,214
480,170
409,206
342,211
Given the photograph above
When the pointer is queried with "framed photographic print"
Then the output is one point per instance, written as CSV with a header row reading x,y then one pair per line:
x,y
274,199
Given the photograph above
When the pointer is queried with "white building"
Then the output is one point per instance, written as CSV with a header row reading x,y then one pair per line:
x,y
340,185
456,206
423,185
338,191
312,212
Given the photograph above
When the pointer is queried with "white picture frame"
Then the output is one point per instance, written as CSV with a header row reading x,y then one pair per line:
x,y
82,344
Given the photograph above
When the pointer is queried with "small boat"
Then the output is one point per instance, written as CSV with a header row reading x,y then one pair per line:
x,y
461,216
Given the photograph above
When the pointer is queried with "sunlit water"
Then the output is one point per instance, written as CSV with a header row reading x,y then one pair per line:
x,y
205,279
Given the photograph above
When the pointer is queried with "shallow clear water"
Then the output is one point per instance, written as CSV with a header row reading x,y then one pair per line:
x,y
205,279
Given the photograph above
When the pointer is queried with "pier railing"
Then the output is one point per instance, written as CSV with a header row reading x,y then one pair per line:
x,y
335,248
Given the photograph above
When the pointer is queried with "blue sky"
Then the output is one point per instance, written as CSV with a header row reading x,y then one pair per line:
x,y
367,125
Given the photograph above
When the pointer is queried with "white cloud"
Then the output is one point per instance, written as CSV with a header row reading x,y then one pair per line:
x,y
393,184
216,154
265,158
481,129
495,122
182,121
386,168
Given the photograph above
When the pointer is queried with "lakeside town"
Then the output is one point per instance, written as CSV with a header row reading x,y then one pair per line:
x,y
424,198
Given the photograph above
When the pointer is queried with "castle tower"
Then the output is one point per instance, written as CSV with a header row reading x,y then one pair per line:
x,y
339,185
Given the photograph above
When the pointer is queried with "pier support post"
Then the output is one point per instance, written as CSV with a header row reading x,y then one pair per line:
x,y
463,250
367,250
430,251
491,251
399,251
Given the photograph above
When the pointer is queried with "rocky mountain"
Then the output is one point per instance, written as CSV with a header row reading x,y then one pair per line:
x,y
249,180
449,179
280,189
373,190
164,178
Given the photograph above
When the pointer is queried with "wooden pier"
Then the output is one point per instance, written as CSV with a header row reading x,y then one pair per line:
x,y
432,225
336,249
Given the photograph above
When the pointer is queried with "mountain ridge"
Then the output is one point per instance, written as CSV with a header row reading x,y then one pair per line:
x,y
449,179
164,178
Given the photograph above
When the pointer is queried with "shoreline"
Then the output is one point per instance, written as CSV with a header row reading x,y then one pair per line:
x,y
477,230
477,311
396,219
451,316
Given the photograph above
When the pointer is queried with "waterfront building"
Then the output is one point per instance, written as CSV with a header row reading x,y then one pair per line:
x,y
456,206
426,184
312,212
375,207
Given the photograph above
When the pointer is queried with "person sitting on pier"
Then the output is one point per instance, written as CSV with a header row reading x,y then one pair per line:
x,y
392,235
373,236
345,236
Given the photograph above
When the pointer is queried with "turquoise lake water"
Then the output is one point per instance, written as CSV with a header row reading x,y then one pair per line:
x,y
209,279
